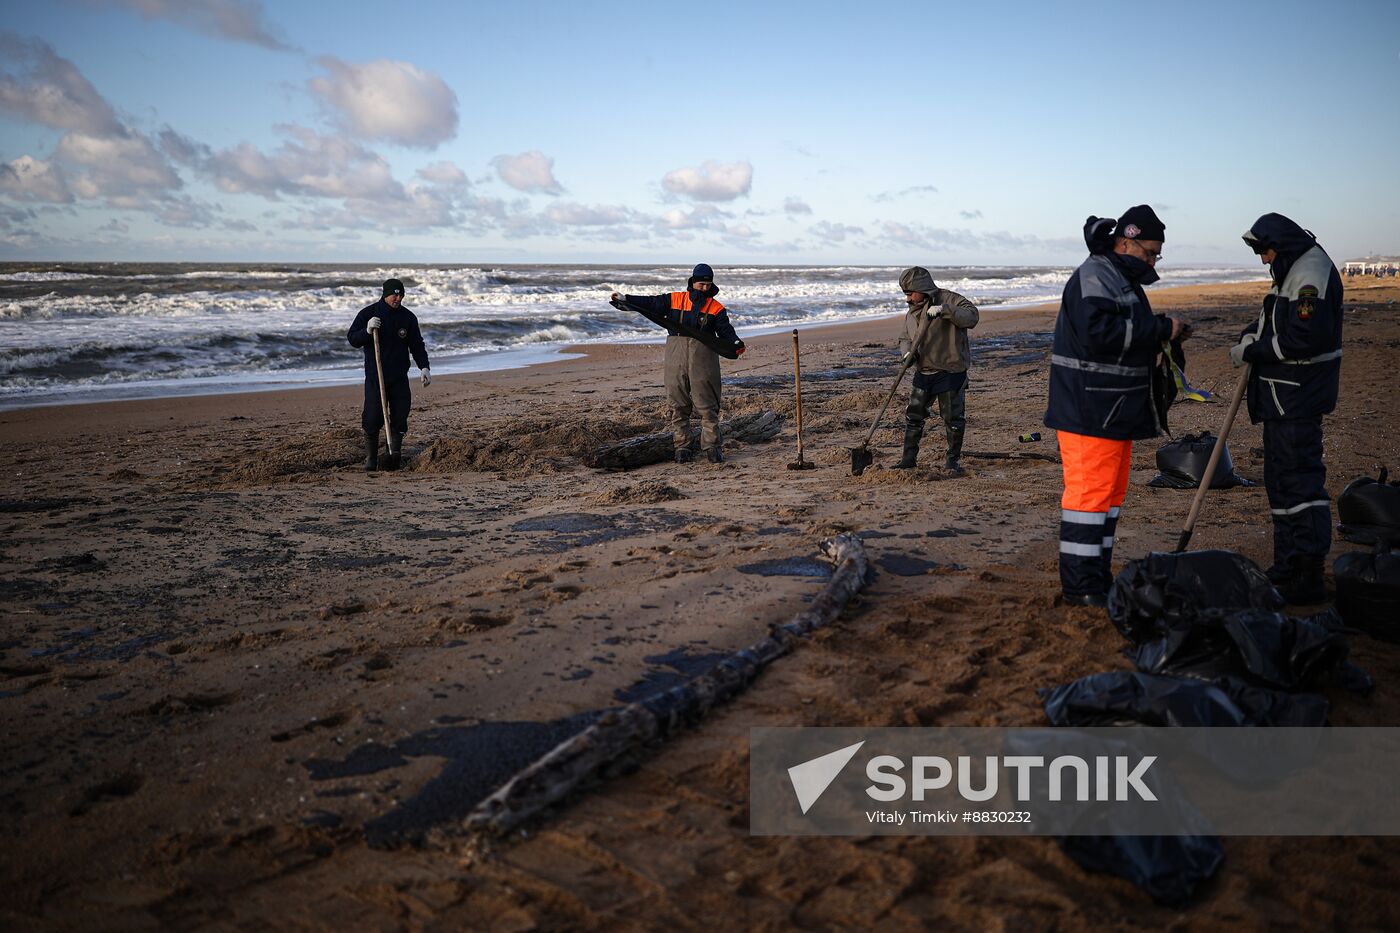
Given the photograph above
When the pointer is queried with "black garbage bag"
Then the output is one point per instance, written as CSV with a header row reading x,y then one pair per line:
x,y
1120,698
1368,591
1168,868
1183,462
1255,645
1368,511
1162,592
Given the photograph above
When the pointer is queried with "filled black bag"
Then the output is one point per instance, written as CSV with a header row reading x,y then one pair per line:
x,y
1167,868
1255,645
1368,591
1182,463
1368,511
1121,698
1166,591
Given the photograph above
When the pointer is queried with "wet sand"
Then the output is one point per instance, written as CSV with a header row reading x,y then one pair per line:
x,y
243,682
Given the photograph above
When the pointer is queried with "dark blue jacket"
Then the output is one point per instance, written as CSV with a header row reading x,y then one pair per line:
x,y
398,337
1296,360
704,313
1106,339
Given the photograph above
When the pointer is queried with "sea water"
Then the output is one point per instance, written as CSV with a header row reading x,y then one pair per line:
x,y
73,332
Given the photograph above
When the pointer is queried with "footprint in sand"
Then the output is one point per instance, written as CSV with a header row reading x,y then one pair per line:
x,y
123,786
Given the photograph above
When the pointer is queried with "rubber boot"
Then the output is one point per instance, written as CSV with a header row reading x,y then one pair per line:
x,y
913,433
953,462
1305,586
1280,572
685,455
712,454
371,452
394,460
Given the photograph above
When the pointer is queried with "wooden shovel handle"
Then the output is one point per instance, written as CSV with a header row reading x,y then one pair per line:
x,y
1214,461
383,396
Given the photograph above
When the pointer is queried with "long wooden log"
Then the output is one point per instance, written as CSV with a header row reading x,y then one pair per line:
x,y
753,428
587,754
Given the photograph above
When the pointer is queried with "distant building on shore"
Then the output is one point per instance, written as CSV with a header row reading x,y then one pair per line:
x,y
1372,265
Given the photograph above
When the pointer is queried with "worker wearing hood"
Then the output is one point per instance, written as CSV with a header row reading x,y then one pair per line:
x,y
1294,351
1106,340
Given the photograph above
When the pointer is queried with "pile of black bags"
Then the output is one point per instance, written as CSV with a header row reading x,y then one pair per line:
x,y
1368,584
1211,648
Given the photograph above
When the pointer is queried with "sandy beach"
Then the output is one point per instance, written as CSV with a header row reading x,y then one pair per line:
x,y
244,683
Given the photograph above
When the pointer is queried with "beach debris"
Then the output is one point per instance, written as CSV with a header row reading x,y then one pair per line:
x,y
1369,510
1163,593
753,428
1167,868
619,732
1368,591
1181,464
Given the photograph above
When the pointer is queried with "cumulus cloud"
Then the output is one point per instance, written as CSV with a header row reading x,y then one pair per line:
x,y
126,170
29,179
712,181
835,233
796,206
389,100
39,86
443,173
581,215
238,20
941,238
702,217
916,191
308,163
528,171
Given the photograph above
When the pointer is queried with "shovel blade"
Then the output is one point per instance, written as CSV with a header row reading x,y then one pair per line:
x,y
861,457
802,465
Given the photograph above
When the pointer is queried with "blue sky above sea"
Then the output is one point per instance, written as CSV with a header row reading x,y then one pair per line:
x,y
810,133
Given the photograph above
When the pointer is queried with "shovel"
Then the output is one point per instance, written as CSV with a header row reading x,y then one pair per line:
x,y
391,459
861,457
799,463
1214,461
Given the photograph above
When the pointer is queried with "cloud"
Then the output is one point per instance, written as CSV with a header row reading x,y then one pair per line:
x,y
971,215
388,100
581,215
954,240
39,86
835,233
238,20
702,217
796,206
29,179
125,170
712,181
308,163
444,173
528,171
917,190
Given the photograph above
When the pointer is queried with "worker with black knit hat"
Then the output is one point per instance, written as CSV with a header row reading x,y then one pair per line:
x,y
1294,350
1106,340
399,337
692,368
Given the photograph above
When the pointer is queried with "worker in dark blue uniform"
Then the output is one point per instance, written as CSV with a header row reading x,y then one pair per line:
x,y
399,337
1106,341
1294,351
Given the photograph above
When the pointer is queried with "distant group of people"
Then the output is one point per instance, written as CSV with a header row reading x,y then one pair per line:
x,y
1385,270
1106,342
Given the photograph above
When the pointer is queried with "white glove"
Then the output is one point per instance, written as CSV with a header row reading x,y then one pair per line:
x,y
1237,351
907,359
427,376
374,324
616,296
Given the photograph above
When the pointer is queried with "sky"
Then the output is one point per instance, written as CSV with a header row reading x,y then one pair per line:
x,y
746,133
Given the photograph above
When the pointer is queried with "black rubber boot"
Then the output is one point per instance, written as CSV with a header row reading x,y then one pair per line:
x,y
1279,572
1305,587
685,455
395,457
953,462
913,433
713,455
371,452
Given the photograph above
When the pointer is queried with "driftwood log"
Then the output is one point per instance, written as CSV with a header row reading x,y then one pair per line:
x,y
655,448
619,732
1018,455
